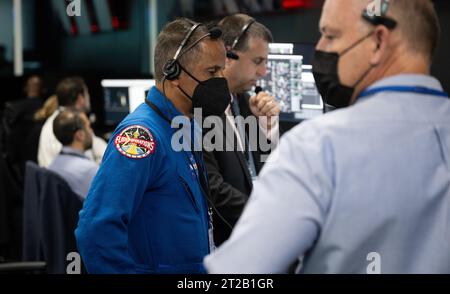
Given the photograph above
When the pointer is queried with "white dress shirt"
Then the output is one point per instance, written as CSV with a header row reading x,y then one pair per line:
x,y
272,134
362,188
49,147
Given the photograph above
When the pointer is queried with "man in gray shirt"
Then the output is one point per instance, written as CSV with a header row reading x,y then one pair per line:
x,y
72,128
366,188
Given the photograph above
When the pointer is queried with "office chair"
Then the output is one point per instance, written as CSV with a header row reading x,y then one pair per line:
x,y
49,219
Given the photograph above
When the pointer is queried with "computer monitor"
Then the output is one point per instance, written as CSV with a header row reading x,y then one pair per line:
x,y
290,80
304,49
122,97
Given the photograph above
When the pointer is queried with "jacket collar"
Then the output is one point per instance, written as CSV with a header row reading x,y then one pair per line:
x,y
163,103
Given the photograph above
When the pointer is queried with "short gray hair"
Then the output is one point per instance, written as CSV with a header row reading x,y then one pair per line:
x,y
418,23
169,40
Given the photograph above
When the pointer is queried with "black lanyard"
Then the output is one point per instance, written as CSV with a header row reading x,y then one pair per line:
x,y
197,155
201,178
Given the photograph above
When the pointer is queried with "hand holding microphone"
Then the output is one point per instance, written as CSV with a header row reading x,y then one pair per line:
x,y
263,104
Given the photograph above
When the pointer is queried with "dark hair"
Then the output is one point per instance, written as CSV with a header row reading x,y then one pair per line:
x,y
169,40
68,90
66,124
418,23
232,28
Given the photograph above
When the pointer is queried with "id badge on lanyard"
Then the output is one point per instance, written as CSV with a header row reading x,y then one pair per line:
x,y
199,173
212,245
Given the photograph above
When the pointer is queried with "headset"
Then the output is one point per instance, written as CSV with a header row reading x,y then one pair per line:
x,y
172,68
230,53
381,19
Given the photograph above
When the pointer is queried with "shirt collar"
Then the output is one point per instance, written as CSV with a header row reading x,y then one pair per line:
x,y
409,80
228,109
170,112
67,149
406,80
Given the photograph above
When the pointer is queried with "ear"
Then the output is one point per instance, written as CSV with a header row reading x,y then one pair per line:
x,y
229,62
79,136
174,83
381,38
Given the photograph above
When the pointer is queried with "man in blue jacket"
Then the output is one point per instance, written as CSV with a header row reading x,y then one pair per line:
x,y
146,210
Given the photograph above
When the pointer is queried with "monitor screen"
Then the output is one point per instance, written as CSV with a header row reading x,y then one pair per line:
x,y
122,97
290,80
304,49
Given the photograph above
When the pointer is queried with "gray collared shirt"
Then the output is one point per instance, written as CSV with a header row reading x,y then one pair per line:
x,y
76,169
364,189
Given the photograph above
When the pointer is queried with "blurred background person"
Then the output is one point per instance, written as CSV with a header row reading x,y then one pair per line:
x,y
18,121
73,129
48,108
70,92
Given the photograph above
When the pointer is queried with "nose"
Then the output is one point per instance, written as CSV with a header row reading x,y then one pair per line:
x,y
321,44
261,70
220,73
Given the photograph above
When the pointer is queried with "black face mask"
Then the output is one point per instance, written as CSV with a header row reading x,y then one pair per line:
x,y
325,71
212,96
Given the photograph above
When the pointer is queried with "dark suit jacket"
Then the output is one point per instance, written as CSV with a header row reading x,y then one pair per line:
x,y
49,219
229,178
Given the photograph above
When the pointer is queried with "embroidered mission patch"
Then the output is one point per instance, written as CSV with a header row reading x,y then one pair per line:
x,y
135,142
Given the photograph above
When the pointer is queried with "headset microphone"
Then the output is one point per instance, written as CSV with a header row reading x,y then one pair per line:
x,y
232,55
215,33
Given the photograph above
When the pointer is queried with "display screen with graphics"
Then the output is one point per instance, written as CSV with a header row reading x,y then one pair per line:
x,y
290,80
122,97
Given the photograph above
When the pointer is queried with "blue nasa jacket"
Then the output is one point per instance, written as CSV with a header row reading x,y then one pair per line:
x,y
145,211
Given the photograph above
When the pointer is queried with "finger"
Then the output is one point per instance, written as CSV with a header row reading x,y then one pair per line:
x,y
261,95
262,101
253,100
267,99
261,104
275,110
267,107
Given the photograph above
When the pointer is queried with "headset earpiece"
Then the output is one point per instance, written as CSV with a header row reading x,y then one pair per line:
x,y
381,19
232,55
171,70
